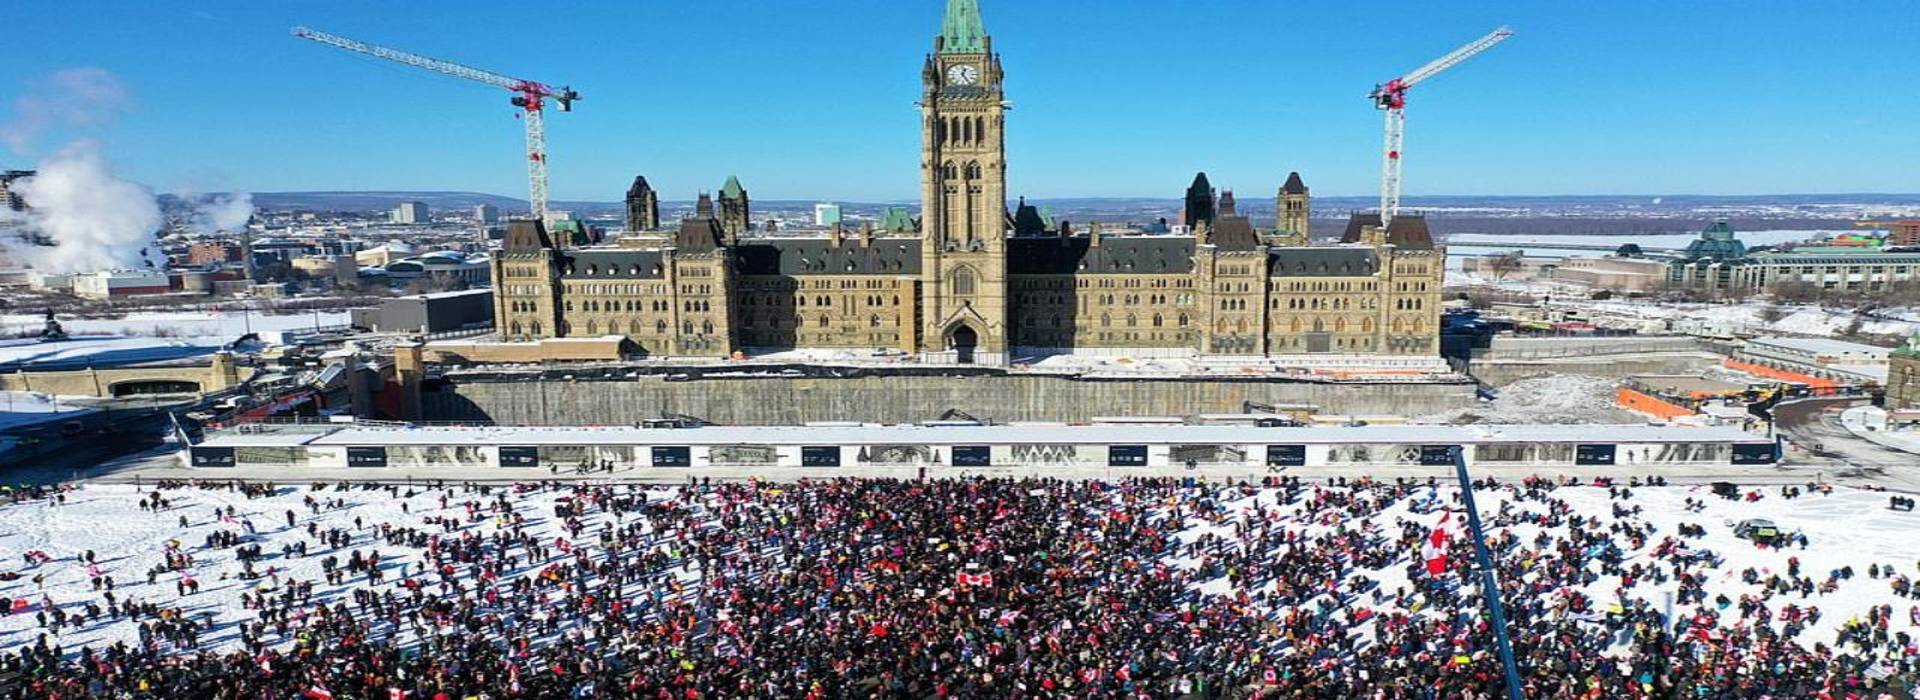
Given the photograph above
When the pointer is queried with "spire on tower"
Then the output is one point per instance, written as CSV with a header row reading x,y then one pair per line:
x,y
961,31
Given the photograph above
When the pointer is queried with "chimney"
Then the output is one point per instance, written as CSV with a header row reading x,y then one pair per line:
x,y
1202,233
833,237
866,234
1093,233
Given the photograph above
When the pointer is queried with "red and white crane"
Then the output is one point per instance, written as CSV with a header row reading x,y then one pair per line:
x,y
530,96
1391,96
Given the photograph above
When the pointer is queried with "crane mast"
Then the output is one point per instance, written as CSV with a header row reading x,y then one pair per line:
x,y
1391,97
530,96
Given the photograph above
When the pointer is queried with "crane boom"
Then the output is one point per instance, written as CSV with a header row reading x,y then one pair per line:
x,y
530,97
1460,54
1391,97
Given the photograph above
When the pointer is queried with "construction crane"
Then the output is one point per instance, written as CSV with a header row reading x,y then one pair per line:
x,y
531,97
1391,96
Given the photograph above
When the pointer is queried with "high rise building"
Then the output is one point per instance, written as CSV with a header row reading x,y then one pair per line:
x,y
9,199
486,214
643,206
826,214
971,281
410,213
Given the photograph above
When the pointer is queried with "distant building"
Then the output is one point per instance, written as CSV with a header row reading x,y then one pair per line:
x,y
825,214
1820,357
410,213
1719,261
429,313
120,283
971,281
1292,210
9,199
486,214
339,269
734,212
442,266
1903,376
1615,274
214,253
643,206
1904,232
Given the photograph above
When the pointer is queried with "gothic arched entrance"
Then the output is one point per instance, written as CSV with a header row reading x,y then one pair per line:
x,y
962,341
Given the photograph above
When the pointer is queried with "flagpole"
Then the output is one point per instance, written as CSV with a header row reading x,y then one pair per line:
x,y
1489,588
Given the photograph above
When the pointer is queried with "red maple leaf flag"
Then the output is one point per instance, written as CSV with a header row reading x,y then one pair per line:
x,y
1434,552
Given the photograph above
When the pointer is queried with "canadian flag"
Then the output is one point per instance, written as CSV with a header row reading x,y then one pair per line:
x,y
1435,550
966,579
319,692
396,694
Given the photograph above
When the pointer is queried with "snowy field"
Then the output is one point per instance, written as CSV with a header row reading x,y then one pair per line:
x,y
1561,399
1656,240
223,325
21,408
1848,528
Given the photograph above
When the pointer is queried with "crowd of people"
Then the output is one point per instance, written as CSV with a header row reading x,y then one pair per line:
x,y
964,588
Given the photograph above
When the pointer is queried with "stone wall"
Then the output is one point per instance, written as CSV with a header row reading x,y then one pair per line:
x,y
544,400
1509,359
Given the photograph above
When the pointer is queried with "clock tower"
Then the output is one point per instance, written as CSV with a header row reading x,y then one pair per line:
x,y
963,193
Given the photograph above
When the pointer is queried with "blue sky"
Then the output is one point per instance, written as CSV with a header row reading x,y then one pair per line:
x,y
812,98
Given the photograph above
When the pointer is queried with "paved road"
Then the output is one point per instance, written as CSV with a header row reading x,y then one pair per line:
x,y
1848,458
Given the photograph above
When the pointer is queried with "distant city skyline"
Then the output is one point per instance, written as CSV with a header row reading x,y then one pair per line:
x,y
808,100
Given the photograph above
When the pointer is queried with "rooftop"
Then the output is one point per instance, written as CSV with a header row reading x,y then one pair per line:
x,y
840,434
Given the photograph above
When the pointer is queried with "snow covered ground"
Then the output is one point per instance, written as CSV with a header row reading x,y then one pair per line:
x,y
1558,399
1656,240
224,325
1849,528
1746,318
84,352
22,408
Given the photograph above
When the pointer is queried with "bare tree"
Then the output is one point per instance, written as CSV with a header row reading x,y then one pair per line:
x,y
1505,264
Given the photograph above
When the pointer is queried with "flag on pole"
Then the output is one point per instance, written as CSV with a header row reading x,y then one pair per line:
x,y
319,692
1435,552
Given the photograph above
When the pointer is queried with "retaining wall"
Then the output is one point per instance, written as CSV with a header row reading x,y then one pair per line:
x,y
538,400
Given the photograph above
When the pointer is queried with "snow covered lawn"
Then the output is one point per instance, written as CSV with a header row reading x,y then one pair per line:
x,y
1850,528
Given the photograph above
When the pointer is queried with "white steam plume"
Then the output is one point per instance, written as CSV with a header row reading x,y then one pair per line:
x,y
66,98
93,219
222,212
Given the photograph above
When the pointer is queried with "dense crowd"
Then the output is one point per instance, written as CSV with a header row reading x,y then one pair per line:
x,y
976,588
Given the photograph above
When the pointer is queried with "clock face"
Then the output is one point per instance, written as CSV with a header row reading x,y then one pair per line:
x,y
963,74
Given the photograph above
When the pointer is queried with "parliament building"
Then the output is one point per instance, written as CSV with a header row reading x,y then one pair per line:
x,y
969,282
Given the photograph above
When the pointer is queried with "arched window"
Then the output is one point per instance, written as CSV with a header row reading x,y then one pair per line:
x,y
963,282
1156,320
824,321
515,328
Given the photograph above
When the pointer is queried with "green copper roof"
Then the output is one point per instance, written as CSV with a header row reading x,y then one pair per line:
x,y
1717,242
961,31
897,220
732,190
1911,348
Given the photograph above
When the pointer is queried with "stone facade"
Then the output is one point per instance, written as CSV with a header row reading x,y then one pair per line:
x,y
970,283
